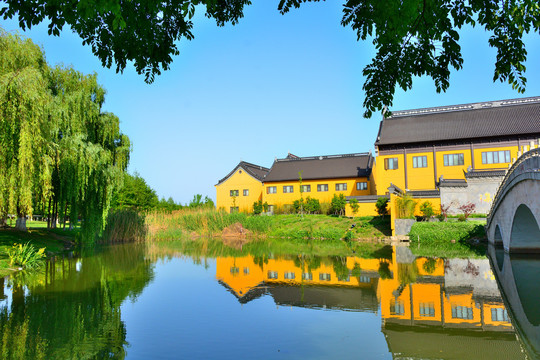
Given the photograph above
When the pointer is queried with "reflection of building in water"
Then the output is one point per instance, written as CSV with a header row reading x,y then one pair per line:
x,y
444,304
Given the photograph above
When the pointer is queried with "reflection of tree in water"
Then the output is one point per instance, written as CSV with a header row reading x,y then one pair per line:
x,y
73,311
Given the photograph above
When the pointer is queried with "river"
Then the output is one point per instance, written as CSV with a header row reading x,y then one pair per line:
x,y
163,302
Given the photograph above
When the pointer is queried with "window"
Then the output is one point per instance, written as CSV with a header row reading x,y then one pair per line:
x,y
289,275
462,312
272,274
397,307
453,160
307,276
234,209
391,163
325,277
288,189
246,271
322,187
419,161
235,270
341,186
427,309
496,157
271,190
344,278
364,279
235,192
499,314
245,192
361,185
271,209
306,188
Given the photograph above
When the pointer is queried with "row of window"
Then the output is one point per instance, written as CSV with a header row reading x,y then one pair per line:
x,y
245,192
287,189
488,157
458,312
288,275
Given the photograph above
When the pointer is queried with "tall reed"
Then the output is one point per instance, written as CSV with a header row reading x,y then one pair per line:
x,y
124,226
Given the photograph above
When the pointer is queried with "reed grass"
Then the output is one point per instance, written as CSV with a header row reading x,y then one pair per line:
x,y
124,225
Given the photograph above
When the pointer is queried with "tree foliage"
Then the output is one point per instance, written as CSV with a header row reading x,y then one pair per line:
x,y
57,146
411,37
135,194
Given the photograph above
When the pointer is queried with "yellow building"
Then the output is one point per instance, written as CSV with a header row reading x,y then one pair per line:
x,y
240,188
421,149
450,155
317,177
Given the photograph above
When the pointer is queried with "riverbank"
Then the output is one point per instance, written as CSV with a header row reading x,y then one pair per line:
x,y
53,240
449,239
211,223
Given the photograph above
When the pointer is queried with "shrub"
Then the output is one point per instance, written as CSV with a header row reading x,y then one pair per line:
x,y
444,211
426,209
325,208
257,207
354,205
26,256
382,206
299,206
313,206
461,218
467,209
405,207
337,205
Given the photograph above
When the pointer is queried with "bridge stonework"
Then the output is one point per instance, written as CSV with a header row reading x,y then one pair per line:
x,y
514,218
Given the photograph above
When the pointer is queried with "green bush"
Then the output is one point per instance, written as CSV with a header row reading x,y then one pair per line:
x,y
257,207
354,205
405,207
426,209
382,206
325,208
313,206
337,205
26,256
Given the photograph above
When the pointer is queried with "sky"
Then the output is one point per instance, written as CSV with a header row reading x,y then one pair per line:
x,y
270,85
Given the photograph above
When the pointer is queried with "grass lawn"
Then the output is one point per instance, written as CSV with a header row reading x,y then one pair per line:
x,y
449,239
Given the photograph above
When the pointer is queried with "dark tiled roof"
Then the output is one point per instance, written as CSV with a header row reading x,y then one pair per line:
x,y
424,193
258,172
460,122
485,173
321,167
453,183
367,198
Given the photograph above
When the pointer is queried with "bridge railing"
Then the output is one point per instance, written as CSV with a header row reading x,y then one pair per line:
x,y
511,173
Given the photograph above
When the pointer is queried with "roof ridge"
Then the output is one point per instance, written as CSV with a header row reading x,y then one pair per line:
x,y
465,107
321,157
254,165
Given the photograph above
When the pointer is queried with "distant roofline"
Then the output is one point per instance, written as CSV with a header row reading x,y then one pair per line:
x,y
245,165
322,157
464,107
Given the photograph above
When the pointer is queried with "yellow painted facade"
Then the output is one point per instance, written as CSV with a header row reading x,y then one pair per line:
x,y
423,302
424,178
281,197
238,182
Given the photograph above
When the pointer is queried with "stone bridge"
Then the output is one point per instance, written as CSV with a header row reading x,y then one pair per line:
x,y
514,218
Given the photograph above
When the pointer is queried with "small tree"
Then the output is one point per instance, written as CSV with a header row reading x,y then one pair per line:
x,y
257,207
337,205
382,206
467,209
444,211
354,206
426,209
313,206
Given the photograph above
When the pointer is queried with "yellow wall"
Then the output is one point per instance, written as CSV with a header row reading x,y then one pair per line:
x,y
240,180
385,177
364,209
281,198
424,178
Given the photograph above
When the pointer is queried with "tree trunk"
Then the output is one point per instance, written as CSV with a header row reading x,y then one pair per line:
x,y
49,215
3,223
20,223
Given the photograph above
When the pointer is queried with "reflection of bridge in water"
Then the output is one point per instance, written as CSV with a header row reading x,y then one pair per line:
x,y
429,307
518,276
515,213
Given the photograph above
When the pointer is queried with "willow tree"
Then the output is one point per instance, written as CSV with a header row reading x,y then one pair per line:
x,y
24,102
89,153
57,146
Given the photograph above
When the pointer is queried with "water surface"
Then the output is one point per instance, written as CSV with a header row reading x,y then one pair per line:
x,y
141,302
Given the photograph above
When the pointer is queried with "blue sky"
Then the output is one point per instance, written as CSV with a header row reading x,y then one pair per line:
x,y
272,84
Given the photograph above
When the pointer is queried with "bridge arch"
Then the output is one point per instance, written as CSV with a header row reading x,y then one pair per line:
x,y
525,233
